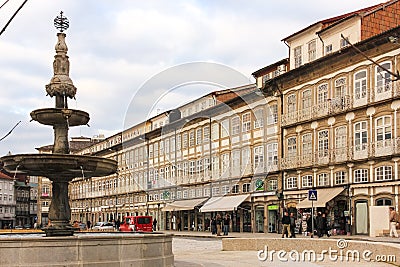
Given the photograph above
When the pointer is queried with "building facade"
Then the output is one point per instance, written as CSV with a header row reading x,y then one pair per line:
x,y
325,118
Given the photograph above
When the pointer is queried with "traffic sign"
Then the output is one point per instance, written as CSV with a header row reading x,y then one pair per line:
x,y
312,195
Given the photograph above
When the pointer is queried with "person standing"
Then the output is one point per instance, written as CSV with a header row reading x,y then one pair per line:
x,y
320,224
178,221
88,225
219,222
226,224
155,224
393,222
292,225
286,224
213,226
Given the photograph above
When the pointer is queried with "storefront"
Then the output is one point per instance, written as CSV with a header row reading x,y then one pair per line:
x,y
273,218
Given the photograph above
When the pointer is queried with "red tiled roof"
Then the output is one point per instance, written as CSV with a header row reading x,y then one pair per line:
x,y
327,22
4,176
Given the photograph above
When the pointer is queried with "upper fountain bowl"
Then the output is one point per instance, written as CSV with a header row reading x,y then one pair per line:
x,y
54,116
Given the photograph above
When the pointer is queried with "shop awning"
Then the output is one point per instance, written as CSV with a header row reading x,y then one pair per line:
x,y
187,204
225,203
323,195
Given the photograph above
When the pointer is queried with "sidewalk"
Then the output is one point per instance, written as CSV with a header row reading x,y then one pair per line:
x,y
201,234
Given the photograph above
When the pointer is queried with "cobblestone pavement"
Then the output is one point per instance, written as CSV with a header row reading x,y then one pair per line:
x,y
202,251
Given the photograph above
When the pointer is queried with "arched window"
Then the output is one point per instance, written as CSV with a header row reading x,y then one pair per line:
x,y
383,202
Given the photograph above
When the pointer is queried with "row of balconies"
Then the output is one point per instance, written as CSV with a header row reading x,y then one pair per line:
x,y
344,154
340,104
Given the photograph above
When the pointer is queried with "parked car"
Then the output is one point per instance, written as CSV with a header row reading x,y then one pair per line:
x,y
27,226
136,224
103,226
18,227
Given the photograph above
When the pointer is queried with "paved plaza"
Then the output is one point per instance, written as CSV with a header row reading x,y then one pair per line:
x,y
193,249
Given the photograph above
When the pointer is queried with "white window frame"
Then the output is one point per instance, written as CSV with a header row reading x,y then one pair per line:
x,y
360,175
360,84
306,181
323,179
340,177
383,128
383,79
360,135
246,122
291,182
383,173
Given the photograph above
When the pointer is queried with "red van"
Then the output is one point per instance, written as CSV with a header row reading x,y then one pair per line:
x,y
136,224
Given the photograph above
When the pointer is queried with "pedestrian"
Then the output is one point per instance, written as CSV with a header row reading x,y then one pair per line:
x,y
219,222
88,224
310,223
117,224
178,221
226,224
155,224
393,219
213,225
286,224
292,225
320,224
325,225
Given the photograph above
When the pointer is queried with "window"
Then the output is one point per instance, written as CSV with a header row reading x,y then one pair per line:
x,y
259,158
178,142
323,145
291,182
272,117
323,179
340,137
292,147
272,154
272,185
306,99
246,122
258,119
383,80
360,136
236,162
328,49
383,202
214,131
215,191
340,177
383,173
199,192
206,134
340,87
206,192
344,42
192,166
322,93
225,128
383,128
178,194
297,56
307,144
361,175
185,194
246,188
235,125
225,162
235,189
199,165
307,181
312,50
191,138
184,140
225,189
245,157
360,85
199,136
292,103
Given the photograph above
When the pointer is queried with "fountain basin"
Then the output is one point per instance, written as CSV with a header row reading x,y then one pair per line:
x,y
89,250
53,116
60,166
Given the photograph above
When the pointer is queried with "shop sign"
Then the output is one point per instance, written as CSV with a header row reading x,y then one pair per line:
x,y
273,207
259,185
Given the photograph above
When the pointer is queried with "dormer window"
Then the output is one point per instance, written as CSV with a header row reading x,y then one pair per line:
x,y
328,49
297,56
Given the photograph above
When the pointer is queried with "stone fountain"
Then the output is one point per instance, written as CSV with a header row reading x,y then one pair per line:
x,y
62,247
60,166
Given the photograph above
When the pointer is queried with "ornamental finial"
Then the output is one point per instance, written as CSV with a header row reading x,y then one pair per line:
x,y
61,23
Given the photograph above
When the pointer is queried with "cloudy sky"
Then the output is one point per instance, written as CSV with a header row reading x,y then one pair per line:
x,y
117,47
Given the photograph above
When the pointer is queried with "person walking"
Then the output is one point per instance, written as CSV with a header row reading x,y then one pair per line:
x,y
178,221
286,224
393,219
226,224
292,225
